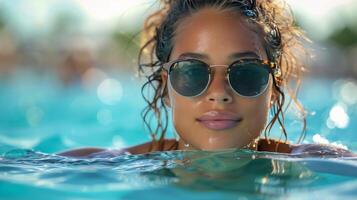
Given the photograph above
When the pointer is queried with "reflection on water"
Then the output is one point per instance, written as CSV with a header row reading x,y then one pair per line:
x,y
229,173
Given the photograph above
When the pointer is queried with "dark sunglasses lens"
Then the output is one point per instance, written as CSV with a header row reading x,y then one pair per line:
x,y
249,79
189,78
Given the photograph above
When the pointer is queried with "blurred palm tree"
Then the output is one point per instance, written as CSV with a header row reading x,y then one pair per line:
x,y
344,38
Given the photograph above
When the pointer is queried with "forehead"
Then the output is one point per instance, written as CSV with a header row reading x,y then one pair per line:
x,y
216,33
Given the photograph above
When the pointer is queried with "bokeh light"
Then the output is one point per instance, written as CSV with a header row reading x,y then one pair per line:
x,y
110,91
348,92
338,117
64,66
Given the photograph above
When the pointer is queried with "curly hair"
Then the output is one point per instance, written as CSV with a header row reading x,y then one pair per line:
x,y
282,39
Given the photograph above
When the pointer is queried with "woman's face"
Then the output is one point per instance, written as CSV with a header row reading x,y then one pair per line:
x,y
217,38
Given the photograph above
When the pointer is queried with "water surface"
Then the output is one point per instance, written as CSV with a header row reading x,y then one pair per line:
x,y
229,174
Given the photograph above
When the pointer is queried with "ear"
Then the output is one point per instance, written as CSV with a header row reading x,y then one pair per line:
x,y
164,78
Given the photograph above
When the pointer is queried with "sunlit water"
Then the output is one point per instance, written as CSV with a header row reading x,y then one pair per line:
x,y
39,117
177,175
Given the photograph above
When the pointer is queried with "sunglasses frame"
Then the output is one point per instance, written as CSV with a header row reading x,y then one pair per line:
x,y
272,68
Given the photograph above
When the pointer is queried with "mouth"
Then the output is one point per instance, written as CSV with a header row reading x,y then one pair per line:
x,y
219,124
218,120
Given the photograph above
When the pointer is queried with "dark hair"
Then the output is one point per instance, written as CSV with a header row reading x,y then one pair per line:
x,y
282,40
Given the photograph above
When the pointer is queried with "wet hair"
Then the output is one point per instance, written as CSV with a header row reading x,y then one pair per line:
x,y
282,39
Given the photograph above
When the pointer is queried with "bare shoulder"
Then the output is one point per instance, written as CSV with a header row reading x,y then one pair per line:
x,y
150,147
320,150
81,152
138,149
304,149
272,145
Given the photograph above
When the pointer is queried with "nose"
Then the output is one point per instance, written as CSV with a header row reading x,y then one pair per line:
x,y
219,90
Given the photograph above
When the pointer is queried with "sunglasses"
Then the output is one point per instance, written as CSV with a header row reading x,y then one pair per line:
x,y
246,77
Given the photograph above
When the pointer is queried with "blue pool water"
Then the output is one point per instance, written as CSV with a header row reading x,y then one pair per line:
x,y
177,175
39,116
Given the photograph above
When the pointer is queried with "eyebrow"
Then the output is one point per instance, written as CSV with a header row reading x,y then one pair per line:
x,y
234,56
193,55
247,54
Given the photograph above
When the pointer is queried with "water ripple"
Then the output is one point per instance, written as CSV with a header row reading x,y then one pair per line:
x,y
227,172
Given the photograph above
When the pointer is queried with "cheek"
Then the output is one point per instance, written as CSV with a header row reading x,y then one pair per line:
x,y
257,110
181,107
184,112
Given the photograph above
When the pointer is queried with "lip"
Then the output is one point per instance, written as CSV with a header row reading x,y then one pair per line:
x,y
219,120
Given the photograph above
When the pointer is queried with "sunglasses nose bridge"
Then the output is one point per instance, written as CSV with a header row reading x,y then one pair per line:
x,y
226,70
212,72
218,89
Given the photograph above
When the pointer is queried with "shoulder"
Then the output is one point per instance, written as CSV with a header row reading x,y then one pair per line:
x,y
303,149
272,145
166,145
101,152
81,152
320,150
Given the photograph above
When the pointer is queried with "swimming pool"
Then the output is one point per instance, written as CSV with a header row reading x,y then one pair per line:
x,y
39,117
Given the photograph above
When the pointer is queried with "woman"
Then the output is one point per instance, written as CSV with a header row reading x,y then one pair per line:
x,y
220,66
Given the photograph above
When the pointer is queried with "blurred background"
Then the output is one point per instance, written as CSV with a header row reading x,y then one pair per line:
x,y
68,73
